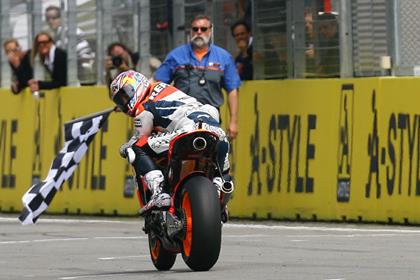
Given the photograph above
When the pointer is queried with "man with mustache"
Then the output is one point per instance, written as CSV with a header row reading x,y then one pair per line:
x,y
201,69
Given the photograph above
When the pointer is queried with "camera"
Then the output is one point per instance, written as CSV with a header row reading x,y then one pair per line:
x,y
117,61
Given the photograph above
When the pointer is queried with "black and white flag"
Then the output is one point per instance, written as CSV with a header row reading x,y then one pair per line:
x,y
78,134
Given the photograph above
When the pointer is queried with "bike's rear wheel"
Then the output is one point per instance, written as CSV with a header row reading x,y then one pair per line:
x,y
201,208
161,258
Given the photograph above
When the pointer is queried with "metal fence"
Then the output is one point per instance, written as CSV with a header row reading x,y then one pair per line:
x,y
289,35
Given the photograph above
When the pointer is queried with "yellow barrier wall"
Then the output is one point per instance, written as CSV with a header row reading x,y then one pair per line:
x,y
97,186
330,149
284,152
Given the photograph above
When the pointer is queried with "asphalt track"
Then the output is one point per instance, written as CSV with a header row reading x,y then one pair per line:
x,y
104,248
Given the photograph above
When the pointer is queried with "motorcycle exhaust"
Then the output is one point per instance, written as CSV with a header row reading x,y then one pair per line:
x,y
199,143
227,187
226,192
224,198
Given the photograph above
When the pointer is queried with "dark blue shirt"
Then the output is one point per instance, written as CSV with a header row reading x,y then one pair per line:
x,y
203,79
244,65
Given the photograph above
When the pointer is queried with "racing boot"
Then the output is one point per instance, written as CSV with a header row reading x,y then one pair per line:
x,y
159,199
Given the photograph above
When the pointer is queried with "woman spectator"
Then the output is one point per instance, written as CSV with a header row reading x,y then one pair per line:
x,y
53,60
19,63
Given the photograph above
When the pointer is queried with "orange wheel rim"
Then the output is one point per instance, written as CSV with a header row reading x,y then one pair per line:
x,y
186,243
155,250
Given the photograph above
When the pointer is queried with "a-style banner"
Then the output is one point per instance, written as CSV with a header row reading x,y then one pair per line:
x,y
286,152
340,149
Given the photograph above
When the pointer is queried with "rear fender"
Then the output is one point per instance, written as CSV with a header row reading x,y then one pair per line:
x,y
181,146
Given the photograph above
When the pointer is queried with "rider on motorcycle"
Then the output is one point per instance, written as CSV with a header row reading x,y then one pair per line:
x,y
163,108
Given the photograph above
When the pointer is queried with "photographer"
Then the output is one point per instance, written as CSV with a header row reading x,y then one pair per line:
x,y
119,59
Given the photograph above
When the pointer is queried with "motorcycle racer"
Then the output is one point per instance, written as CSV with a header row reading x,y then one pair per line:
x,y
163,108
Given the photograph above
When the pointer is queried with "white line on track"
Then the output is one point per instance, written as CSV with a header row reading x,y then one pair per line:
x,y
120,237
250,226
70,221
320,228
357,235
69,239
122,257
245,235
42,240
100,276
91,276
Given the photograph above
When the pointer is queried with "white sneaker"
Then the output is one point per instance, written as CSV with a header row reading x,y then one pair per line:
x,y
158,201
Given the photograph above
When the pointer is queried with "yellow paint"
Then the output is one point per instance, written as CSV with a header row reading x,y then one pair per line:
x,y
297,140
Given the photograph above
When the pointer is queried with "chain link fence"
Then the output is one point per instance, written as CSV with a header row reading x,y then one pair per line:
x,y
288,36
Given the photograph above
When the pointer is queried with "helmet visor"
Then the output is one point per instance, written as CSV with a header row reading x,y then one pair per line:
x,y
122,99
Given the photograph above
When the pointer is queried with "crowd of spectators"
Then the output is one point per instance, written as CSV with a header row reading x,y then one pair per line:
x,y
191,67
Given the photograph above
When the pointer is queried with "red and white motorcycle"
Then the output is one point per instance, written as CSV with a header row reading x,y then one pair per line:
x,y
192,225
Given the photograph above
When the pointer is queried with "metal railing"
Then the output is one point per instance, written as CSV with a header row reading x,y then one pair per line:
x,y
283,46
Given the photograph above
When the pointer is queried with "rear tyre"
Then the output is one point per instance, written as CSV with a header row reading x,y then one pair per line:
x,y
201,208
161,258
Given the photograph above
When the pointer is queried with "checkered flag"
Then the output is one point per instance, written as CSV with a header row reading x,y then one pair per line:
x,y
79,134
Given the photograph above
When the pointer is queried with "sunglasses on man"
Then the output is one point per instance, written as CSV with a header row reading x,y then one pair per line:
x,y
203,29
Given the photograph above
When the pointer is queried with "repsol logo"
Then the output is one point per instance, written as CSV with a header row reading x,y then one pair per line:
x,y
394,160
8,130
286,156
157,89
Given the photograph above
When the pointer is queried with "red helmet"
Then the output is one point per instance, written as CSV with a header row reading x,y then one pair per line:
x,y
128,89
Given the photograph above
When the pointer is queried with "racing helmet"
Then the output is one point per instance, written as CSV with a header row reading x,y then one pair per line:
x,y
128,89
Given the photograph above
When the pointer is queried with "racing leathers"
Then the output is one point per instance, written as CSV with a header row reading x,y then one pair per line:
x,y
170,112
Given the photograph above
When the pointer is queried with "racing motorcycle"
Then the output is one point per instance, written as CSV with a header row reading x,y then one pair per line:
x,y
192,224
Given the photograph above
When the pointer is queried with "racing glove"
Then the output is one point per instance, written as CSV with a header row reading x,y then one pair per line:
x,y
124,149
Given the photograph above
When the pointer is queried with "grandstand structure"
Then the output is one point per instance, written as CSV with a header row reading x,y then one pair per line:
x,y
374,37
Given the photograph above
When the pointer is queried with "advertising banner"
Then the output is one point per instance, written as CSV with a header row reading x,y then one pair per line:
x,y
332,149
